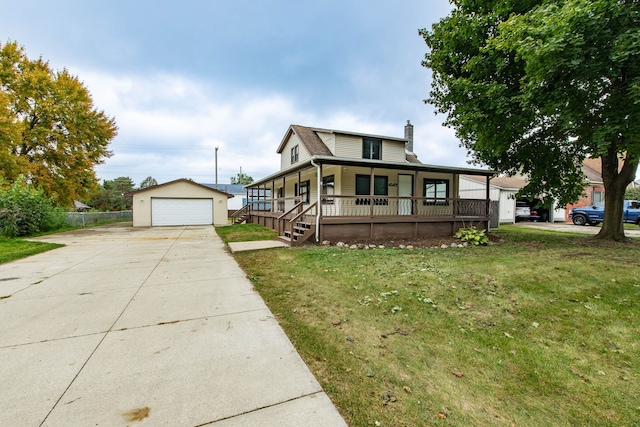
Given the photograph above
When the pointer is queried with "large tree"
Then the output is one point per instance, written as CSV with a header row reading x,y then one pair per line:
x,y
148,182
50,131
241,178
535,87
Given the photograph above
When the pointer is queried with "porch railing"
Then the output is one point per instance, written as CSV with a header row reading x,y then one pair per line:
x,y
381,206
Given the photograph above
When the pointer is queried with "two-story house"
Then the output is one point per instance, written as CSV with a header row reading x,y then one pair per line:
x,y
341,185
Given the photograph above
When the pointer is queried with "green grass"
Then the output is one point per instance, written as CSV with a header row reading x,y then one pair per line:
x,y
245,233
541,328
12,249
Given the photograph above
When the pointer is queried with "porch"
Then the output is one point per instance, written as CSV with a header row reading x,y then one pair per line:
x,y
366,217
333,198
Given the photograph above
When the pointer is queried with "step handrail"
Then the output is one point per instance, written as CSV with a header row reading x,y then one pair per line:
x,y
245,209
295,218
297,206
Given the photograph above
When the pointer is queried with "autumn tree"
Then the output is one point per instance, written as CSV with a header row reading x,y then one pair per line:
x,y
50,131
535,87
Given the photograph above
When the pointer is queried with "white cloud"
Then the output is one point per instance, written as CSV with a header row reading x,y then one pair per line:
x,y
169,127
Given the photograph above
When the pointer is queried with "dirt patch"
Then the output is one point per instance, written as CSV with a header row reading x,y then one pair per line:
x,y
138,414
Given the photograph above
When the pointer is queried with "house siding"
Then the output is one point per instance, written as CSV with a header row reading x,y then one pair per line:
x,y
285,156
329,139
393,151
351,147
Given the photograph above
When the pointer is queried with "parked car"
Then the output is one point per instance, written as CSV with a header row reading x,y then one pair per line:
x,y
594,215
524,212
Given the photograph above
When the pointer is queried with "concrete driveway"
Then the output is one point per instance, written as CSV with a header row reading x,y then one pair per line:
x,y
569,227
154,326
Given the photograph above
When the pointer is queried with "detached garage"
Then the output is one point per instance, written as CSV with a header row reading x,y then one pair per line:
x,y
180,202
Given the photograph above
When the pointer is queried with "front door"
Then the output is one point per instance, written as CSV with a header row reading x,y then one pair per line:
x,y
405,189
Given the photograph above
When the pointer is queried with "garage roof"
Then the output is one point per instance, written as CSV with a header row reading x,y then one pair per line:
x,y
182,180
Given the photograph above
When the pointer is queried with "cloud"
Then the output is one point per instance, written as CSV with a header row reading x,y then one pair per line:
x,y
169,126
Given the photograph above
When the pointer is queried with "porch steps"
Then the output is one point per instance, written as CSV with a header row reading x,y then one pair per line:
x,y
301,232
241,219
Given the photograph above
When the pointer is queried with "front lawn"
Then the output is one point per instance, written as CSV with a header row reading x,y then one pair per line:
x,y
541,328
245,233
12,249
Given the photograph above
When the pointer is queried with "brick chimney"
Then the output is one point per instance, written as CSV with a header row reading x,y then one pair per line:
x,y
408,135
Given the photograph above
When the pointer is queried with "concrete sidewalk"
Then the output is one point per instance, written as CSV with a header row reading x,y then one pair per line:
x,y
152,326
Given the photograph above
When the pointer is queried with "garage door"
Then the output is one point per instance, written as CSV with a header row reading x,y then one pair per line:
x,y
181,212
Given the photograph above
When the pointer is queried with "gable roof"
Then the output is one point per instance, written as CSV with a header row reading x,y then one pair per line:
x,y
311,141
314,145
228,188
153,187
592,168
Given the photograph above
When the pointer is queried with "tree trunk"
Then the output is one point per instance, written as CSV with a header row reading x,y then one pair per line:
x,y
615,181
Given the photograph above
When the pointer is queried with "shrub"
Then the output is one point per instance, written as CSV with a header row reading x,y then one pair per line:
x,y
472,235
25,210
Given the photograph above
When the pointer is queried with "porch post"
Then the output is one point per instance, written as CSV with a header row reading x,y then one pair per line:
x,y
273,191
319,205
455,195
488,202
320,173
371,191
414,201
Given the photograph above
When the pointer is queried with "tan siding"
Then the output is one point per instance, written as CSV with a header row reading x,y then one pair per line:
x,y
393,151
180,190
329,140
285,156
349,146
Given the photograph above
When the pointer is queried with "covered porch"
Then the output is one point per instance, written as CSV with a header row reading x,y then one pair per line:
x,y
330,198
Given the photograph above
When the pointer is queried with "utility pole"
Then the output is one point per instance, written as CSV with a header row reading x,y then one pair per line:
x,y
217,167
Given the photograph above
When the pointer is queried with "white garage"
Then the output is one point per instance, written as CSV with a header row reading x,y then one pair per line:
x,y
181,211
180,202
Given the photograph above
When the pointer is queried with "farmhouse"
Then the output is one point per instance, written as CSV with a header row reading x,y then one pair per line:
x,y
342,185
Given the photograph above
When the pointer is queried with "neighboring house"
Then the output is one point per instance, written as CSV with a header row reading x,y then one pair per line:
x,y
342,185
179,202
503,190
594,190
81,207
237,190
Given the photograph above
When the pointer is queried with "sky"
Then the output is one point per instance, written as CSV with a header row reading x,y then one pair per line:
x,y
183,77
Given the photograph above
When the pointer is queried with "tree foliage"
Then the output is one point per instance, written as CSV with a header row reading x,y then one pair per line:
x,y
25,210
535,87
50,131
148,182
113,195
241,178
632,194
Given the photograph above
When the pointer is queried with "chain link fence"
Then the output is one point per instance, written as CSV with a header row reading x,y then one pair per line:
x,y
85,219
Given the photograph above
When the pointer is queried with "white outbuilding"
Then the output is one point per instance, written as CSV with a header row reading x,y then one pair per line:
x,y
180,202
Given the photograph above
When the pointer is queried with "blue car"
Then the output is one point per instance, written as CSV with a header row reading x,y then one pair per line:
x,y
594,215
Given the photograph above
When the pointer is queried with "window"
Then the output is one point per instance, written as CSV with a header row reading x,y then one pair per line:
x,y
303,191
294,154
328,183
436,191
598,196
372,148
380,188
